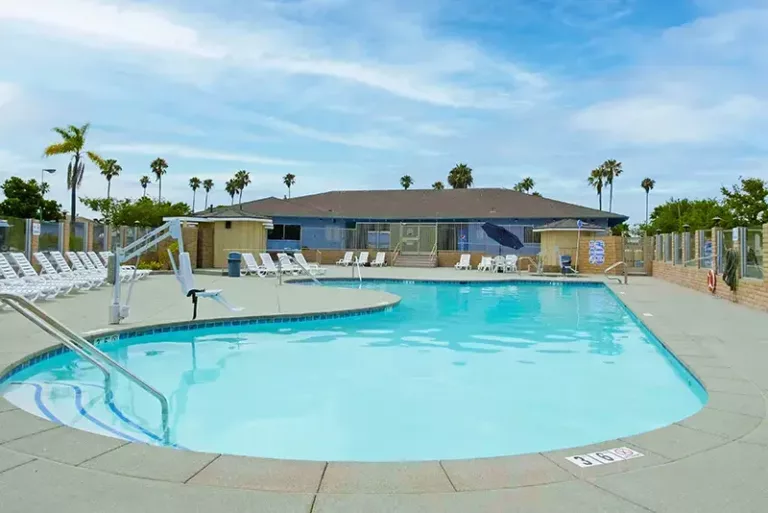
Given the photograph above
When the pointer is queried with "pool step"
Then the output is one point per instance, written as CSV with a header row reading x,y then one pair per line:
x,y
415,261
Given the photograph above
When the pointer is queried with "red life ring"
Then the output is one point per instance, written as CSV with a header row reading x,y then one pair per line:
x,y
711,281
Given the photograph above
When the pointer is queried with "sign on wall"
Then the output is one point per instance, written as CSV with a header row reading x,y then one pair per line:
x,y
596,252
36,229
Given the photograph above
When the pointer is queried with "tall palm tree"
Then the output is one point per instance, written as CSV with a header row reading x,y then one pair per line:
x,y
242,180
460,177
406,182
72,142
231,188
647,184
194,184
207,185
144,181
109,169
289,180
159,168
525,185
612,169
438,186
595,180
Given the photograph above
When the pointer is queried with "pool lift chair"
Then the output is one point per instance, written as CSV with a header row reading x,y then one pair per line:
x,y
119,311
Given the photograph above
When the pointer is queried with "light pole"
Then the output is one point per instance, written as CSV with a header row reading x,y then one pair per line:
x,y
42,187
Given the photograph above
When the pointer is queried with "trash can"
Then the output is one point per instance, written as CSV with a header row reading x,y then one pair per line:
x,y
233,265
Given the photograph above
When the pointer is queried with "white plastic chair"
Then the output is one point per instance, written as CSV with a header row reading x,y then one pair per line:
x,y
48,269
313,268
27,272
286,265
486,264
464,262
380,260
97,279
187,281
252,267
363,258
11,279
511,264
347,260
268,264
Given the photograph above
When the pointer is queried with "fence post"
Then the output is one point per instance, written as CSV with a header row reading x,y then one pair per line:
x,y
764,263
717,238
28,238
740,245
697,249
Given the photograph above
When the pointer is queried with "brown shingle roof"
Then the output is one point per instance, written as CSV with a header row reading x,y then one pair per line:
x,y
426,204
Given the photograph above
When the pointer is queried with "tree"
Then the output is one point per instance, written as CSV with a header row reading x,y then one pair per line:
x,y
242,180
142,212
698,214
460,177
647,184
525,185
194,184
231,188
611,170
25,199
406,182
109,169
159,167
620,229
207,185
289,180
144,181
746,202
595,180
72,142
438,186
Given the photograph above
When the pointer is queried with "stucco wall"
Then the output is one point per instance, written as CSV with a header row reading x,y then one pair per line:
x,y
248,236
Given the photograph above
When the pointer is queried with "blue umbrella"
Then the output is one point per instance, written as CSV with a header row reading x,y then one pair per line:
x,y
503,236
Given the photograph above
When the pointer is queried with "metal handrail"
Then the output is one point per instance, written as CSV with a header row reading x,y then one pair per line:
x,y
531,261
306,270
359,274
433,253
614,266
396,252
77,343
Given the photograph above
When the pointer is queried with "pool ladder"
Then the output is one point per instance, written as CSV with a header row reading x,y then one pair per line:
x,y
86,350
614,266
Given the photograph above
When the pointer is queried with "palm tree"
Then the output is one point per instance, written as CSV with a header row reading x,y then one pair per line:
x,y
72,142
144,181
109,169
647,185
596,180
406,181
231,188
207,185
194,184
289,180
612,169
460,177
242,180
525,185
159,167
438,186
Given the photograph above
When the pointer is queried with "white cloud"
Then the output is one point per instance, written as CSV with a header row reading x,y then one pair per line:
x,y
371,140
194,153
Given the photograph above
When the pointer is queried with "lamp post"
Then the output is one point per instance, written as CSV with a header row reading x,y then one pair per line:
x,y
42,187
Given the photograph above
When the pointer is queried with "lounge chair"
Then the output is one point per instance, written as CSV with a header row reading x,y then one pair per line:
x,y
125,268
347,260
286,265
363,258
252,267
510,264
97,279
12,280
268,264
311,268
20,288
380,260
48,269
28,272
127,272
486,264
463,262
187,281
80,267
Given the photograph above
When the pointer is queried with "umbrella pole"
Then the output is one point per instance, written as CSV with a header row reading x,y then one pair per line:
x,y
578,245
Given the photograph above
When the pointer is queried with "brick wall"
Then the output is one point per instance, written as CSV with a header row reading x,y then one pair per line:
x,y
205,245
614,249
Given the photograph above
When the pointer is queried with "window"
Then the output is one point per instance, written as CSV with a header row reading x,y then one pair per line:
x,y
227,225
285,232
531,237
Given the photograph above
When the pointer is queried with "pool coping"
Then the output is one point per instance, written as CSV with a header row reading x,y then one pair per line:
x,y
437,476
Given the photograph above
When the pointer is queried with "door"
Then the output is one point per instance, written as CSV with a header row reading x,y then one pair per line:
x,y
410,237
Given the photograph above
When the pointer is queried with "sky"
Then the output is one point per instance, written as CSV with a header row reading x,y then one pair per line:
x,y
354,94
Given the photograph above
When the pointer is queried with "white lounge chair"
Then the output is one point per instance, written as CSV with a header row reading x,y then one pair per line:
x,y
187,281
286,265
312,268
48,269
252,267
268,264
510,264
80,267
486,264
347,260
363,258
380,260
20,289
464,262
11,279
97,279
28,272
124,268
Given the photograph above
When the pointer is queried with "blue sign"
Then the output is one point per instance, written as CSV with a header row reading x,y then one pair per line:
x,y
579,224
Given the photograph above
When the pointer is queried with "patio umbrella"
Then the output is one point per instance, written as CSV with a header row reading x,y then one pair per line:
x,y
503,236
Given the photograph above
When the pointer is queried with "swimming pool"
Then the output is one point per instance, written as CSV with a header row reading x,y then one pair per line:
x,y
454,371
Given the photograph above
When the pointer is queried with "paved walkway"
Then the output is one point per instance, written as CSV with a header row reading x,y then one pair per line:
x,y
715,461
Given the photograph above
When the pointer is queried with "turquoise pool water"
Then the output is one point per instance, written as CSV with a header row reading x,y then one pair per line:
x,y
454,371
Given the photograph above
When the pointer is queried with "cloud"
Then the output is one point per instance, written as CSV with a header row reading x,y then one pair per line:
x,y
371,140
191,152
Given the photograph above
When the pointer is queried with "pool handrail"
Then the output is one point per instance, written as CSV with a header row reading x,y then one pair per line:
x,y
78,344
614,266
292,259
359,274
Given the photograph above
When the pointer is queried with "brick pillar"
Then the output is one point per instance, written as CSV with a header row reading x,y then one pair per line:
x,y
697,249
675,241
89,231
738,248
65,243
35,244
765,247
716,231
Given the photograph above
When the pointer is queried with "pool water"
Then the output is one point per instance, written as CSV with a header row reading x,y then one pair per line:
x,y
454,371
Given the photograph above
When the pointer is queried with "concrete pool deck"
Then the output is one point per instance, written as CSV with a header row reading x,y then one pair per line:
x,y
716,460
